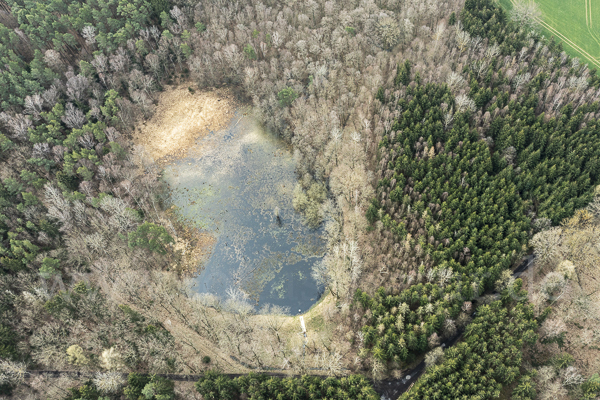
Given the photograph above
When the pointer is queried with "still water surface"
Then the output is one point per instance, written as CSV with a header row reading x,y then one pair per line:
x,y
234,183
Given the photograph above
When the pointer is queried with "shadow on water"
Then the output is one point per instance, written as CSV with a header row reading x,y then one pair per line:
x,y
237,184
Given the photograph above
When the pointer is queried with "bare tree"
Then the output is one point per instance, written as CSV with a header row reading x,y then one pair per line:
x,y
464,103
12,373
77,86
87,140
100,62
546,244
571,376
19,124
388,32
179,17
331,363
109,382
119,61
53,59
58,207
552,328
89,34
339,269
449,328
434,357
448,118
554,390
463,40
41,150
153,62
520,80
526,14
111,360
112,134
74,118
33,105
454,81
51,95
553,286
578,84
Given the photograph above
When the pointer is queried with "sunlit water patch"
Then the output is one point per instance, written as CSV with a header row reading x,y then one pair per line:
x,y
239,187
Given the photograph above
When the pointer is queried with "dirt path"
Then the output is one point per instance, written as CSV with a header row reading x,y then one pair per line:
x,y
181,118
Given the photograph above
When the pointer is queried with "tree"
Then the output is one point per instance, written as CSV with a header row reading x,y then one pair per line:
x,y
286,96
526,14
77,355
403,73
12,373
389,33
111,359
215,386
591,387
452,19
135,385
49,267
109,382
251,54
159,7
110,110
482,372
159,389
525,389
434,357
152,237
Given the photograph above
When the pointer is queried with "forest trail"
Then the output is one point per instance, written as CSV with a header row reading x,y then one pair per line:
x,y
181,118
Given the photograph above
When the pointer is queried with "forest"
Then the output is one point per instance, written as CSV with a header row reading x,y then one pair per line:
x,y
438,144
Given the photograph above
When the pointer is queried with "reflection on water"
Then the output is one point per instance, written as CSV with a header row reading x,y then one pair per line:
x,y
240,188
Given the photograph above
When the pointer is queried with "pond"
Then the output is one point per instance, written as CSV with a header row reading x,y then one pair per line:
x,y
237,184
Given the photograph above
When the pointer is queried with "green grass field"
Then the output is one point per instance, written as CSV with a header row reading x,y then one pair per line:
x,y
575,23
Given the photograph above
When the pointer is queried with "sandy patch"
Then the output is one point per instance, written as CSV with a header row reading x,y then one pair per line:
x,y
181,118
